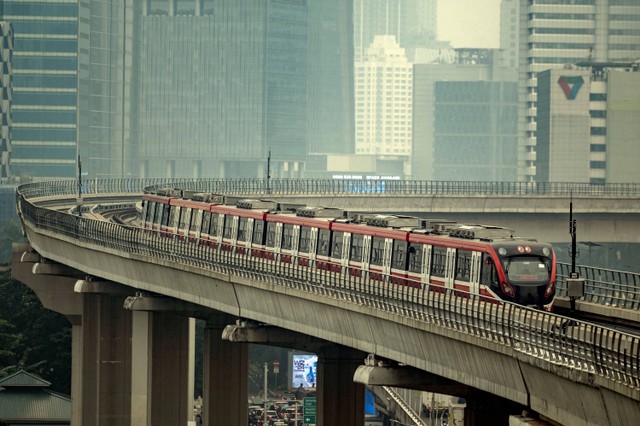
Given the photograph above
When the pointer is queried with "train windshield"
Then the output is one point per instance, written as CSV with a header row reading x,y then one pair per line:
x,y
527,269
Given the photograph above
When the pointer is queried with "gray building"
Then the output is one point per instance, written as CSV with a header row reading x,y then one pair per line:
x,y
6,84
587,124
413,22
553,33
45,83
179,87
460,108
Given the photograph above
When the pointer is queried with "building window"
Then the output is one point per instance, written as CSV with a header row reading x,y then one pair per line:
x,y
598,148
598,113
598,131
598,164
598,97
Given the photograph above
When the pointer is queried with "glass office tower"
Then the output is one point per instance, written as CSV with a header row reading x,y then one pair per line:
x,y
45,63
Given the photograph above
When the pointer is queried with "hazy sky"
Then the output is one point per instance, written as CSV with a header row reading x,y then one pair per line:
x,y
469,23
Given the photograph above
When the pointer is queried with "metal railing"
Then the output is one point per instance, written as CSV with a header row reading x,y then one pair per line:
x,y
337,187
553,338
608,287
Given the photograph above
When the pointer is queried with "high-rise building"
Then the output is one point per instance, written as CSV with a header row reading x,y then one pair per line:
x,y
383,100
106,64
509,22
45,83
464,118
220,86
412,22
554,33
587,124
330,96
6,77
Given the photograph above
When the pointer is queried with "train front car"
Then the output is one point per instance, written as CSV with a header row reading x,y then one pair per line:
x,y
526,272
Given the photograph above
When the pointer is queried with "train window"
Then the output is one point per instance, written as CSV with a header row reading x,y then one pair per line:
x,y
415,257
150,210
206,220
287,237
305,239
336,245
463,265
196,218
243,223
377,251
228,226
270,240
170,219
184,218
258,232
488,274
158,215
439,261
324,241
213,228
399,255
357,244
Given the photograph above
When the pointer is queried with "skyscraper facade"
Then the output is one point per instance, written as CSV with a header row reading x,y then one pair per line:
x,y
220,86
330,77
587,124
6,77
45,87
384,87
412,22
558,32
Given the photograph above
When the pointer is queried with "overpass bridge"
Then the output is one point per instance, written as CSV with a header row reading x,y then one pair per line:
x,y
131,324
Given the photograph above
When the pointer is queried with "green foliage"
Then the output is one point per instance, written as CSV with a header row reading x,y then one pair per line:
x,y
33,338
10,232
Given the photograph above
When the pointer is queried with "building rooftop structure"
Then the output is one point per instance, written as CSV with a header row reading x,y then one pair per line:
x,y
25,399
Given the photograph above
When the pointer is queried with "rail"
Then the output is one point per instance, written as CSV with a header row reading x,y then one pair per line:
x,y
553,338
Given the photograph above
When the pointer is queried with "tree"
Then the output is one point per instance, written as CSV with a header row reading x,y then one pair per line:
x,y
33,338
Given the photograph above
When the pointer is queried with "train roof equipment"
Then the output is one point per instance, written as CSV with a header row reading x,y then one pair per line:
x,y
170,192
320,212
204,197
482,232
250,204
393,221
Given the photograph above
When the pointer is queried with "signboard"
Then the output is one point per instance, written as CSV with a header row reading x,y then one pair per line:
x,y
309,411
304,371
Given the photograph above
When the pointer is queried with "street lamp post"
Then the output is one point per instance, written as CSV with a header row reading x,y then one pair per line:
x,y
264,413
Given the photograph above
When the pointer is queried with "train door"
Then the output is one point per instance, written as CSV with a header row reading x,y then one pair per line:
x,y
386,260
476,260
219,226
450,271
346,247
366,252
427,249
196,221
313,243
245,232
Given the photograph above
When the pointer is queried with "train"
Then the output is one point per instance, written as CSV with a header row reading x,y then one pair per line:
x,y
486,260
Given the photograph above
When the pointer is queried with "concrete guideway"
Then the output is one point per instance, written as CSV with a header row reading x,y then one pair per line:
x,y
461,357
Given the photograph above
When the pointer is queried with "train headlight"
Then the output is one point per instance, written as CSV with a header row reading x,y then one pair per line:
x,y
507,289
502,251
546,251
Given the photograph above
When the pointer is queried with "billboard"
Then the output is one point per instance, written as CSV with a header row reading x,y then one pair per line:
x,y
304,371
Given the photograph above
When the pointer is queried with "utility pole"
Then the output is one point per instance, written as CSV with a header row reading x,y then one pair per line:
x,y
79,200
575,284
264,413
269,172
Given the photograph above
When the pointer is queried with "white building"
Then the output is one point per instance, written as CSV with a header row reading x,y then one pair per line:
x,y
383,100
554,33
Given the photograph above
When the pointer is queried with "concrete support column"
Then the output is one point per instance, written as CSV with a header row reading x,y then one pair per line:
x,y
76,372
106,362
172,369
485,409
140,374
340,399
225,376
